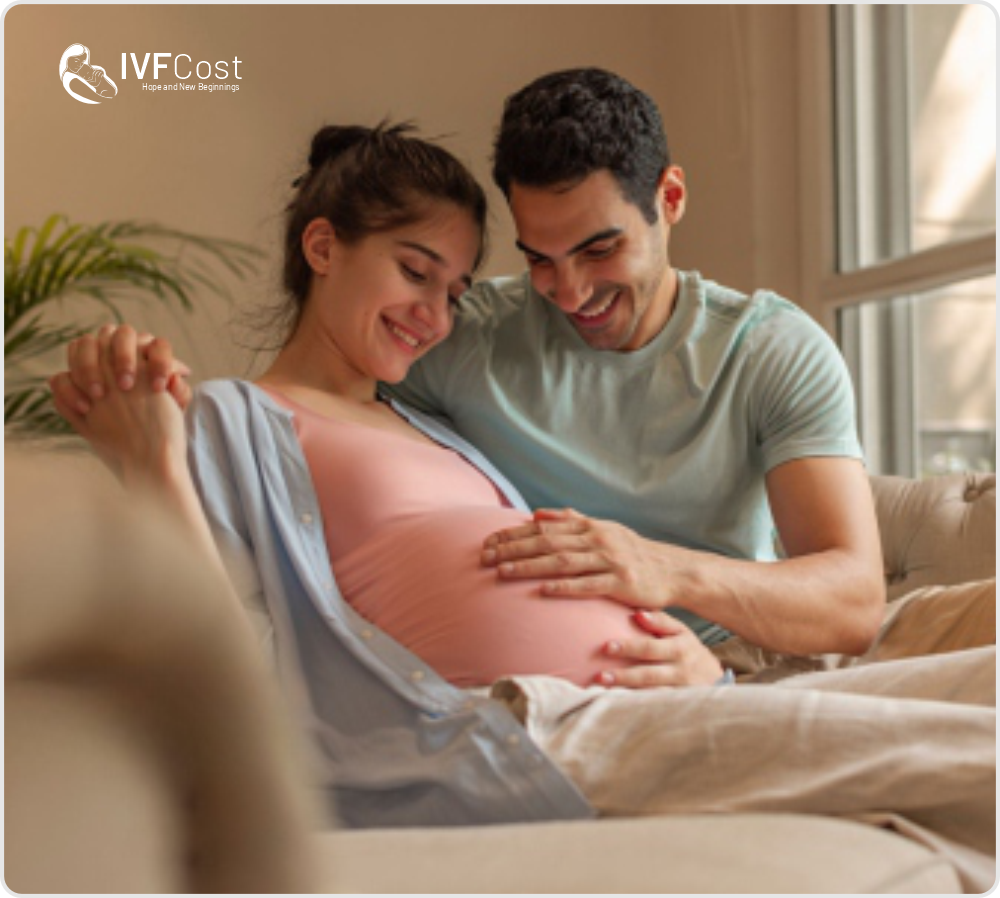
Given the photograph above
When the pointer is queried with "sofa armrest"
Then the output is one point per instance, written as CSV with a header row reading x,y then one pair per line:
x,y
145,746
936,532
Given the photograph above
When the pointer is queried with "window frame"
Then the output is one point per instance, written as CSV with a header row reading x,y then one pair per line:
x,y
835,275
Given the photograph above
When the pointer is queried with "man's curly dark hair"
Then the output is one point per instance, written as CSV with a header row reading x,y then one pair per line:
x,y
567,125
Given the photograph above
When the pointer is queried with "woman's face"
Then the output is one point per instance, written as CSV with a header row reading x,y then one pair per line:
x,y
384,301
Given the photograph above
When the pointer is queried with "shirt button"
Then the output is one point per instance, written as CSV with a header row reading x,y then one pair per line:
x,y
306,518
417,676
367,634
513,740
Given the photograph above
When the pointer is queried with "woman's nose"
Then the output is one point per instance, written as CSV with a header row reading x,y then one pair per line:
x,y
435,314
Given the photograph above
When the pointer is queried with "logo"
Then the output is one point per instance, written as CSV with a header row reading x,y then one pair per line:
x,y
75,66
185,69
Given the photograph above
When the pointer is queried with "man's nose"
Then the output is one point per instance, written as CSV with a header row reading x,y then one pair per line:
x,y
569,290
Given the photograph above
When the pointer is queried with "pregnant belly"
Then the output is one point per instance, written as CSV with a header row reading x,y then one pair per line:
x,y
420,580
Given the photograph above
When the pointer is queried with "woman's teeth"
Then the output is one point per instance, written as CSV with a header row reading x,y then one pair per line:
x,y
405,336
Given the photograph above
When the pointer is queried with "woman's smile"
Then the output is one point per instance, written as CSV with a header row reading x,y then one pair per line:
x,y
405,338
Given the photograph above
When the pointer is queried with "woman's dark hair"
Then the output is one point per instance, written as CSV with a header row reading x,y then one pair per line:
x,y
366,181
567,125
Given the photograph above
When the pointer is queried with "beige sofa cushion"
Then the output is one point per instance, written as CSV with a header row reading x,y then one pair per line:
x,y
737,853
938,531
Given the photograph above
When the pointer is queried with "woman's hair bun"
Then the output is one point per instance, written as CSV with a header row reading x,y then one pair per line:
x,y
334,140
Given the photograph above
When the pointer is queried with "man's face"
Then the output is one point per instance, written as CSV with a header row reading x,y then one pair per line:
x,y
594,256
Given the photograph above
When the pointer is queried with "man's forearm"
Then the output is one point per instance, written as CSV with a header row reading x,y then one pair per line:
x,y
831,601
828,596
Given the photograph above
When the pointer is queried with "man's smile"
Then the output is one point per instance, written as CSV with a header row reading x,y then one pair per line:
x,y
596,315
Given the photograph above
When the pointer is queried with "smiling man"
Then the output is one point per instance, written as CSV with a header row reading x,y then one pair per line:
x,y
687,423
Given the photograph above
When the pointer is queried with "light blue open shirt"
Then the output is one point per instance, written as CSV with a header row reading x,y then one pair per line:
x,y
398,745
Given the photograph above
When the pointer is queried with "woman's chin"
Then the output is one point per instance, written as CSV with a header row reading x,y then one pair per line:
x,y
392,374
393,369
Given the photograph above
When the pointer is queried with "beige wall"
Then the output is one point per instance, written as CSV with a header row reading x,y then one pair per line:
x,y
221,163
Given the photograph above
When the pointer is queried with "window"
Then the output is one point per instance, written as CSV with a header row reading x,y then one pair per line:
x,y
912,284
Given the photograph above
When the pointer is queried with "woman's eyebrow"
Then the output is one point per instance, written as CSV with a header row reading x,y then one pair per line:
x,y
426,250
434,256
606,234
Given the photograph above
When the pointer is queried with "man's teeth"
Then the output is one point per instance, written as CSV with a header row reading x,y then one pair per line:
x,y
406,337
596,313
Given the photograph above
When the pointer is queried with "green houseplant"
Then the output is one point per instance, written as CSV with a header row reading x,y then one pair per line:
x,y
94,267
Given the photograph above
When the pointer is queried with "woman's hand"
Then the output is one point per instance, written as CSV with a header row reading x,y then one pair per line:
x,y
138,431
672,655
75,390
576,556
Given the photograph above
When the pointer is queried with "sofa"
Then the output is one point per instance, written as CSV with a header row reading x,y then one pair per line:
x,y
147,748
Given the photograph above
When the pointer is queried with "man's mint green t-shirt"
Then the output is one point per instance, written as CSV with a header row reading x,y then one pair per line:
x,y
672,440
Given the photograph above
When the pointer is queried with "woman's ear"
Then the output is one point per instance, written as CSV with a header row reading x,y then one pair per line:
x,y
673,194
318,240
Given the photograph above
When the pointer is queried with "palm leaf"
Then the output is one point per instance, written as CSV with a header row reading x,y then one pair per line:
x,y
29,412
34,339
96,268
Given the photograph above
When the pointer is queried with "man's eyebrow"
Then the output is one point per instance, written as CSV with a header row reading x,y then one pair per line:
x,y
434,257
582,245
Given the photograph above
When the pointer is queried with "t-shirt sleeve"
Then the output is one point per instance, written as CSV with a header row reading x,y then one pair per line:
x,y
802,399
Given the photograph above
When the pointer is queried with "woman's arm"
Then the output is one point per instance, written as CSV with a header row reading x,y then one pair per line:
x,y
139,432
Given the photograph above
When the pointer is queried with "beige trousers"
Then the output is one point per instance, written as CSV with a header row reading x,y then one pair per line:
x,y
906,744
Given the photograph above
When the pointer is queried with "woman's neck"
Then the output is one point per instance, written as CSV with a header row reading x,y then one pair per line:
x,y
318,369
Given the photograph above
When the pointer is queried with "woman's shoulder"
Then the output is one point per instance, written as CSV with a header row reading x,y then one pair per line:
x,y
217,387
230,389
218,393
232,397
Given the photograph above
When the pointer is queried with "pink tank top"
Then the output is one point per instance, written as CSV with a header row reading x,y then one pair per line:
x,y
404,524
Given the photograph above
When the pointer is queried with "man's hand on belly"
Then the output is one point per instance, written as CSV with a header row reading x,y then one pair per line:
x,y
580,557
576,556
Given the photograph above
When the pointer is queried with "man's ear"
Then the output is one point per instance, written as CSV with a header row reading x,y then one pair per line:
x,y
673,192
318,240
